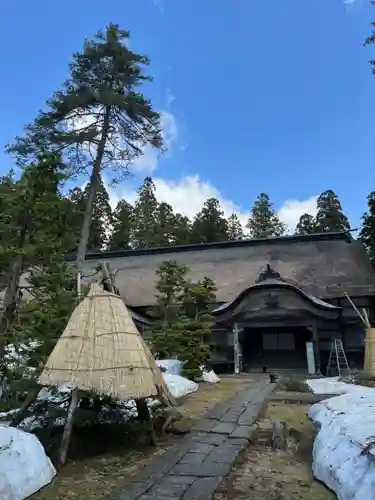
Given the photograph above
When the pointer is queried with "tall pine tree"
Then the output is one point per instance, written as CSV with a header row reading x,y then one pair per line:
x,y
306,225
367,232
181,229
164,224
123,220
99,114
235,231
101,224
330,217
210,224
264,221
145,216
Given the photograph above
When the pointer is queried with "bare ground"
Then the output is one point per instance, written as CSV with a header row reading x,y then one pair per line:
x,y
267,474
97,477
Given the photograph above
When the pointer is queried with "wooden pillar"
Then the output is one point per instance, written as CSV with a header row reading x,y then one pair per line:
x,y
236,349
315,335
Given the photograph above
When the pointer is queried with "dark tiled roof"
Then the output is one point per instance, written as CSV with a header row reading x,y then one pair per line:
x,y
323,265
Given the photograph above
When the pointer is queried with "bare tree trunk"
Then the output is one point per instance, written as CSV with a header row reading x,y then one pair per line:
x,y
10,301
94,179
68,428
21,413
13,281
81,254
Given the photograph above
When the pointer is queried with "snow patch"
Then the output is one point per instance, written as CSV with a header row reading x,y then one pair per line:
x,y
179,386
24,466
343,453
172,366
332,385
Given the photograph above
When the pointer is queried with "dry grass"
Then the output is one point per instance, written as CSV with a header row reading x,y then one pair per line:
x,y
291,384
360,378
95,478
266,474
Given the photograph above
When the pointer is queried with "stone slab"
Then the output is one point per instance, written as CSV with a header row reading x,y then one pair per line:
x,y
250,414
158,497
206,424
224,454
203,489
134,491
201,448
242,431
193,458
207,469
168,488
213,439
224,428
218,411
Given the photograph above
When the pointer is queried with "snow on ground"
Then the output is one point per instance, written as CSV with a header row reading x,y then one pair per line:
x,y
332,385
24,466
174,367
178,386
343,456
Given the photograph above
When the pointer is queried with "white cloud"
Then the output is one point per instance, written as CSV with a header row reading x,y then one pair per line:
x,y
291,210
170,97
187,195
159,4
349,2
147,163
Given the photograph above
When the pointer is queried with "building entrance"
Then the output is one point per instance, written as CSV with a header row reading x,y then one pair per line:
x,y
275,347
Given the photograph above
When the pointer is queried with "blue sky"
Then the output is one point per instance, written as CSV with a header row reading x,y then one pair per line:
x,y
256,95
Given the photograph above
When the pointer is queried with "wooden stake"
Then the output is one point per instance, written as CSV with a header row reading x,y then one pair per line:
x,y
356,310
67,434
65,441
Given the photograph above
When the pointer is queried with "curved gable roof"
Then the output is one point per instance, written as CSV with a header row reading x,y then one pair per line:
x,y
270,279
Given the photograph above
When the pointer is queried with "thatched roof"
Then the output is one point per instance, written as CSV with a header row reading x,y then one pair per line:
x,y
323,265
102,351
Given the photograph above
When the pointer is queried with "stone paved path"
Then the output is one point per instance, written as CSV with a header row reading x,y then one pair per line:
x,y
194,467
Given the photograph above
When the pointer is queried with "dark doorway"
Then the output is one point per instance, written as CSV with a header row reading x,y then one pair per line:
x,y
276,347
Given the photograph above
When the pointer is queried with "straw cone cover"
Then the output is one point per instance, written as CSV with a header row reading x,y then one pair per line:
x,y
102,351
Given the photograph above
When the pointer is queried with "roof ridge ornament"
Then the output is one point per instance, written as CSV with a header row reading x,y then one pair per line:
x,y
268,273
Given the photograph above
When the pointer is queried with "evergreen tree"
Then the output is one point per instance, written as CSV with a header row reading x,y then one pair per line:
x,y
123,221
168,329
370,40
235,231
209,224
8,235
36,229
198,323
37,326
183,324
330,217
101,224
164,224
76,203
98,114
306,225
367,233
145,216
181,230
264,221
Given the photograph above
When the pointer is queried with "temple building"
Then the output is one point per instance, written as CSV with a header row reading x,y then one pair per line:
x,y
275,296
